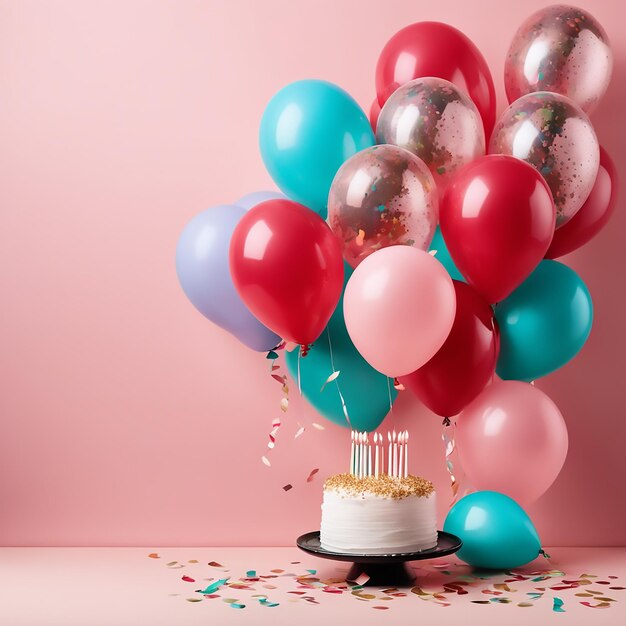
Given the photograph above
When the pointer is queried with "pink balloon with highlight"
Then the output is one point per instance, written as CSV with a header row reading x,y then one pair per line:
x,y
561,49
512,438
382,196
399,307
555,136
437,122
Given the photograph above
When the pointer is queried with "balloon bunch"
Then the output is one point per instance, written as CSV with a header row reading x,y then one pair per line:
x,y
434,268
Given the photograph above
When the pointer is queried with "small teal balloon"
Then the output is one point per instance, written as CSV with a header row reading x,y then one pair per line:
x,y
544,323
308,129
366,391
495,530
443,256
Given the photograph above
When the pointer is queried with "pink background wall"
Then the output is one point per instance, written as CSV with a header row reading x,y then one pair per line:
x,y
125,417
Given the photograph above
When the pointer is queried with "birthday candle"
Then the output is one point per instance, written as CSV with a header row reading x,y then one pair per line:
x,y
395,453
401,460
352,452
406,453
376,455
361,454
389,455
369,457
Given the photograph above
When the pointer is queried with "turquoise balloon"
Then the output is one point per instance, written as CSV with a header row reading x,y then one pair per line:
x,y
365,390
495,530
544,323
308,129
443,256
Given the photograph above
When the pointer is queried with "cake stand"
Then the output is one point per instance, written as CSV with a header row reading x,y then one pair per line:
x,y
382,569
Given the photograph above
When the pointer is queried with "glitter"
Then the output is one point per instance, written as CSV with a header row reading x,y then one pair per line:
x,y
384,485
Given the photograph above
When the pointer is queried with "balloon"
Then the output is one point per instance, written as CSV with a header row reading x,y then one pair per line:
x,y
591,218
436,49
374,113
308,129
497,218
399,308
512,438
465,363
556,137
436,121
495,530
544,323
286,265
256,197
203,273
440,250
382,196
561,49
367,393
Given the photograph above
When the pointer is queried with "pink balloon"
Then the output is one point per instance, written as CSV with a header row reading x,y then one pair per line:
x,y
512,438
399,307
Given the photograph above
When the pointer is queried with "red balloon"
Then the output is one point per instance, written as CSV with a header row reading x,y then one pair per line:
x,y
288,269
374,113
591,218
497,218
436,49
465,363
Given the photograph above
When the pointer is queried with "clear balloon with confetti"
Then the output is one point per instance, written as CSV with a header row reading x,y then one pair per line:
x,y
382,196
561,49
555,136
437,122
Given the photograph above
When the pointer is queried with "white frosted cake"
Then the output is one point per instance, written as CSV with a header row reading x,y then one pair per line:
x,y
378,515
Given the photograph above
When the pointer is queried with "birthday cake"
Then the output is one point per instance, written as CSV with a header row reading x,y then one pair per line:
x,y
371,511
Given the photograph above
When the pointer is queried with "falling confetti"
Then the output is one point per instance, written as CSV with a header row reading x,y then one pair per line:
x,y
312,474
266,461
317,426
557,605
287,487
153,555
330,379
299,432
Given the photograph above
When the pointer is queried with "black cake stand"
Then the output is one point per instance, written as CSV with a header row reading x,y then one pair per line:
x,y
382,569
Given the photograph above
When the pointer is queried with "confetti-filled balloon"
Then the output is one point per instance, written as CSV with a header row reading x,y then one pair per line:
x,y
382,196
561,49
555,136
436,121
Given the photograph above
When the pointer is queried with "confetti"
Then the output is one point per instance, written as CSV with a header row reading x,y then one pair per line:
x,y
213,587
194,599
188,579
299,432
330,379
601,605
193,561
284,405
318,426
382,608
362,579
312,474
266,461
557,605
153,555
287,487
215,564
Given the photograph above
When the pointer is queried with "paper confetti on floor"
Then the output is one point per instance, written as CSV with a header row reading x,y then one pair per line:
x,y
443,584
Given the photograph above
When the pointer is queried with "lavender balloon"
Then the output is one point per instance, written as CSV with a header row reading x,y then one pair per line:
x,y
204,274
256,197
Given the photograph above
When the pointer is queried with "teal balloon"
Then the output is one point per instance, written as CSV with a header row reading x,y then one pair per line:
x,y
544,323
443,256
308,129
365,390
495,530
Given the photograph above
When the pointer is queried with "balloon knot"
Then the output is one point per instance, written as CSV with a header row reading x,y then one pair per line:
x,y
544,554
304,348
446,421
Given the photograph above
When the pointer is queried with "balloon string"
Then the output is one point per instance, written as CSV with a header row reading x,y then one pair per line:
x,y
299,383
389,394
332,365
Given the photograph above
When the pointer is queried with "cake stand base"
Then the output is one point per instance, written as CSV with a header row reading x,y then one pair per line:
x,y
383,574
383,569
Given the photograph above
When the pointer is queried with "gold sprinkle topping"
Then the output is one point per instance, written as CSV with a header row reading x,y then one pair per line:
x,y
385,486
